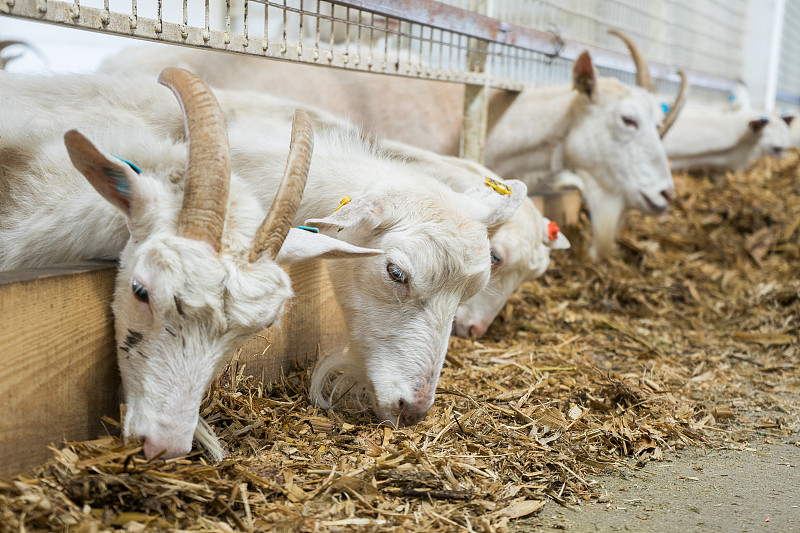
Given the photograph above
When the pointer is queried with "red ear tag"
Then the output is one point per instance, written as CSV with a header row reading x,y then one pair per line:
x,y
552,231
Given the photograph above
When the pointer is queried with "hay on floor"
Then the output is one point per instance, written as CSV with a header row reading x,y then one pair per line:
x,y
688,336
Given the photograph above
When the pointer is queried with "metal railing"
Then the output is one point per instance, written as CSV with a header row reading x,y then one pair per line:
x,y
419,38
431,41
423,38
701,37
788,90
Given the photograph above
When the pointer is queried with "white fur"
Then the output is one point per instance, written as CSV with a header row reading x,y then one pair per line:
x,y
540,131
201,304
724,139
521,241
398,332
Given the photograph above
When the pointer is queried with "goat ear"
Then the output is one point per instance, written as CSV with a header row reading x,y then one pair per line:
x,y
114,179
360,215
301,245
788,119
493,205
552,236
758,124
583,75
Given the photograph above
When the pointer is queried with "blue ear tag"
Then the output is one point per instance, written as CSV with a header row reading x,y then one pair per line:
x,y
309,228
134,167
731,97
664,108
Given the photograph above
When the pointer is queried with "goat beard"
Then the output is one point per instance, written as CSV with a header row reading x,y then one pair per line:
x,y
337,383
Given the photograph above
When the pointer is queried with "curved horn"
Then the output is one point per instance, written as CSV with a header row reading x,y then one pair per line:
x,y
208,168
273,230
642,69
6,44
676,106
6,60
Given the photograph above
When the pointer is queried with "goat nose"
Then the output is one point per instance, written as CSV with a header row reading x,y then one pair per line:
x,y
668,195
408,418
776,150
410,414
152,448
477,330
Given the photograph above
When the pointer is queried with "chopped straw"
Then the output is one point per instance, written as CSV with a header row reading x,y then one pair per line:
x,y
687,336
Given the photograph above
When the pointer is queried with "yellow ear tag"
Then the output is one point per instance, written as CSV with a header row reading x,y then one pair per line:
x,y
501,188
345,201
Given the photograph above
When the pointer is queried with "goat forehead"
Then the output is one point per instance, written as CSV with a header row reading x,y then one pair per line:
x,y
641,105
183,268
776,131
440,249
621,97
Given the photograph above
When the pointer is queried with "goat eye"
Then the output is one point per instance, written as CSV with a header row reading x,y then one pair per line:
x,y
628,121
397,273
139,292
496,259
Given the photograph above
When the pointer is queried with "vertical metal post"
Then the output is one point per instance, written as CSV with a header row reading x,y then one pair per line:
x,y
476,106
476,99
762,35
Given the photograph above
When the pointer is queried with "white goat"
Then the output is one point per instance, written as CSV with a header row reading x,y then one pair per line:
x,y
398,308
794,133
6,59
721,139
520,247
197,257
602,138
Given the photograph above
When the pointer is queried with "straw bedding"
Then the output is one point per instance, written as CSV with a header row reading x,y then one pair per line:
x,y
688,336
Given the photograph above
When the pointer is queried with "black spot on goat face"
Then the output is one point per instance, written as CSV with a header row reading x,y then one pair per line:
x,y
133,338
178,305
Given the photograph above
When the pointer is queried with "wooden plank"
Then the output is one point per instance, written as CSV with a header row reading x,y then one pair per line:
x,y
311,324
58,373
563,207
58,370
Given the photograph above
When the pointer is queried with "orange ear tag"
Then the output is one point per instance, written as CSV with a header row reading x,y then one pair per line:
x,y
552,231
345,201
501,188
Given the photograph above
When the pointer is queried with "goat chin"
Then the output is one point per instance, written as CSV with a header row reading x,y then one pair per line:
x,y
336,381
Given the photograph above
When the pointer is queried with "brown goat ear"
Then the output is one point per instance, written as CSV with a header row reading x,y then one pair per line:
x,y
114,179
583,75
758,124
788,119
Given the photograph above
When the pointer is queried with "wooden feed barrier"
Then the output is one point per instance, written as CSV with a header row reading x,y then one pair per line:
x,y
58,363
58,373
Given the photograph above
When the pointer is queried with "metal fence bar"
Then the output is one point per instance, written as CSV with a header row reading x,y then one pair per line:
x,y
419,38
788,93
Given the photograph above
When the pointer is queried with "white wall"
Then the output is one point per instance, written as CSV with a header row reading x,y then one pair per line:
x,y
761,52
63,49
